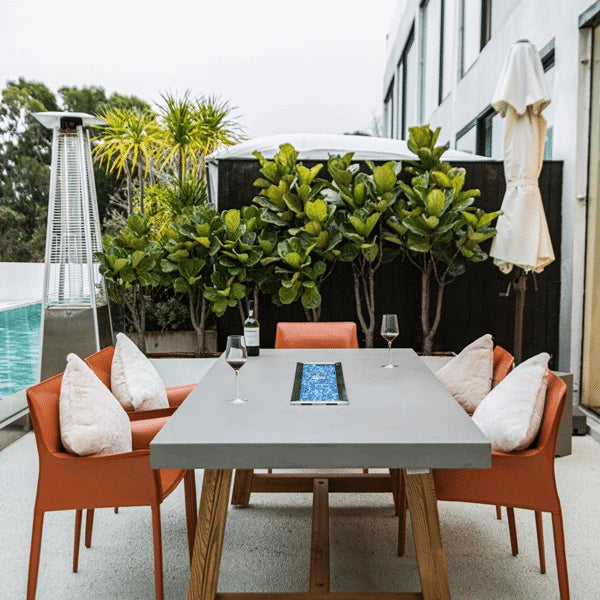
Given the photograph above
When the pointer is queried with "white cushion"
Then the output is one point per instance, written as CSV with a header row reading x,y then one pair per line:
x,y
133,379
91,419
511,414
468,376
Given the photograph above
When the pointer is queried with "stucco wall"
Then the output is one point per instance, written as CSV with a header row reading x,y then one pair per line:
x,y
540,21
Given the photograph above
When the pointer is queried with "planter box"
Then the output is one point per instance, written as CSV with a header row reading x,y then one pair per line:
x,y
176,343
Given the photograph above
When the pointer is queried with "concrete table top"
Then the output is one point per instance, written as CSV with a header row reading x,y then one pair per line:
x,y
400,418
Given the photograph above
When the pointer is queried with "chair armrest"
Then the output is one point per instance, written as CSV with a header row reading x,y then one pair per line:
x,y
143,431
178,394
151,414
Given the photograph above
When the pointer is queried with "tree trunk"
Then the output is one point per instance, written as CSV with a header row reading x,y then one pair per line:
x,y
129,184
364,299
430,329
141,179
198,313
181,167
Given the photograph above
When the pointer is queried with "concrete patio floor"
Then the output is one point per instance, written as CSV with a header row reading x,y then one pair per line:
x,y
267,545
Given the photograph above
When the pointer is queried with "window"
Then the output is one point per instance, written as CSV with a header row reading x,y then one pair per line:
x,y
447,46
466,139
388,112
547,55
409,90
476,30
399,99
483,135
431,23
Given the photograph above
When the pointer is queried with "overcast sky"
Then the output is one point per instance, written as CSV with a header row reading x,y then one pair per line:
x,y
308,66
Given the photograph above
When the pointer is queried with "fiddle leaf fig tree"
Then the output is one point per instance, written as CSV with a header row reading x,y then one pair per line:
x,y
244,261
293,198
364,199
191,244
130,263
436,222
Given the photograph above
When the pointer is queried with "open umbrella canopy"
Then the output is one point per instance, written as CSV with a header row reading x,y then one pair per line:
x,y
521,95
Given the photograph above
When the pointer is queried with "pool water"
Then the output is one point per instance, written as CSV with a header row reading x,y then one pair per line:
x,y
19,348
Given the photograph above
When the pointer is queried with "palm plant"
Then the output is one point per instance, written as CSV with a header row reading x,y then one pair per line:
x,y
217,126
128,143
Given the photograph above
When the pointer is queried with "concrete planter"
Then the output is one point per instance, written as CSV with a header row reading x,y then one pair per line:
x,y
176,343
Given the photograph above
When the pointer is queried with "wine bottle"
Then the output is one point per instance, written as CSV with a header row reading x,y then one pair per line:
x,y
252,331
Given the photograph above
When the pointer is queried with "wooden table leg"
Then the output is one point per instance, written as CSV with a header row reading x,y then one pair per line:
x,y
319,543
242,487
424,517
210,530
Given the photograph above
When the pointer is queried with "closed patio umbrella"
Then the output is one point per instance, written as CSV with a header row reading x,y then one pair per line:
x,y
523,240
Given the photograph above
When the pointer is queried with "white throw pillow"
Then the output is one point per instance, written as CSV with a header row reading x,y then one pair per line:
x,y
134,381
511,414
468,376
91,419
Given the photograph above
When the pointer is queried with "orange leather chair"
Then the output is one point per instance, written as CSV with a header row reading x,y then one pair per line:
x,y
523,479
340,334
67,482
504,362
101,363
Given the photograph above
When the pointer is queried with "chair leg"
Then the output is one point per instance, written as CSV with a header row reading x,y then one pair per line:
x,y
401,514
89,525
539,527
191,508
394,476
498,513
34,554
158,558
561,557
116,510
512,530
77,540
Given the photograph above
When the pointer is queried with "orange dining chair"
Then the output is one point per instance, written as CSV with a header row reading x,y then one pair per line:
x,y
503,363
521,479
333,334
340,334
67,482
101,364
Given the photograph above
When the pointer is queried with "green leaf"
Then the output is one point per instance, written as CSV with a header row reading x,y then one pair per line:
x,y
118,264
435,202
316,210
232,220
311,298
293,259
384,178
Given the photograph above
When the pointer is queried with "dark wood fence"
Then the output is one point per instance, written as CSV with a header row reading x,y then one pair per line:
x,y
474,303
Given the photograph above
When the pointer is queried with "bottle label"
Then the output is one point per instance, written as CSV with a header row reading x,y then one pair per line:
x,y
252,335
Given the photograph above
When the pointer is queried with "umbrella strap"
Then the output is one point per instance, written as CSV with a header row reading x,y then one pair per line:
x,y
522,182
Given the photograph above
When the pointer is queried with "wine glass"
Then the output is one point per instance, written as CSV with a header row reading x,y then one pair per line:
x,y
236,356
389,332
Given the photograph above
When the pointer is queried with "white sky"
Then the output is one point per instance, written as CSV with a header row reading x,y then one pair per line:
x,y
308,66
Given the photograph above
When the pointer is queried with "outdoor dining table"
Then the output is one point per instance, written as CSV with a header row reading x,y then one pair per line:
x,y
400,418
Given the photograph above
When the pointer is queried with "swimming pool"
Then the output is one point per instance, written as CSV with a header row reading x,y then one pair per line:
x,y
19,348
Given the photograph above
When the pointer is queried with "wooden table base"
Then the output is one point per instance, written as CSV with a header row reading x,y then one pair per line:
x,y
422,503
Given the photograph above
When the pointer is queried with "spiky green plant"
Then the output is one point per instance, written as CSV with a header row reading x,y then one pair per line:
x,y
127,143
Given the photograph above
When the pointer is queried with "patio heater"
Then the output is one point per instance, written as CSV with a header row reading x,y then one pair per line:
x,y
75,310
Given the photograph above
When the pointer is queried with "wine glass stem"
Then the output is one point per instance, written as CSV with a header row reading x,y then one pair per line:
x,y
389,353
237,385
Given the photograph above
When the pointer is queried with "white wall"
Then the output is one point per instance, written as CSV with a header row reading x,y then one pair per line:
x,y
21,281
540,21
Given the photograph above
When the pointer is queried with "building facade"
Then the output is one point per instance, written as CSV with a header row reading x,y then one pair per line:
x,y
444,59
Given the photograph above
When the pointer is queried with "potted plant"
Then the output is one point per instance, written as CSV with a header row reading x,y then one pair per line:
x,y
436,222
363,200
130,263
293,198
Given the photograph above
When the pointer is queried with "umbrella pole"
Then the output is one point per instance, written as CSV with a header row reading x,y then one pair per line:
x,y
520,287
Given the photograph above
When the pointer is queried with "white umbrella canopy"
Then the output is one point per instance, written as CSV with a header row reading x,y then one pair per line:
x,y
523,239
